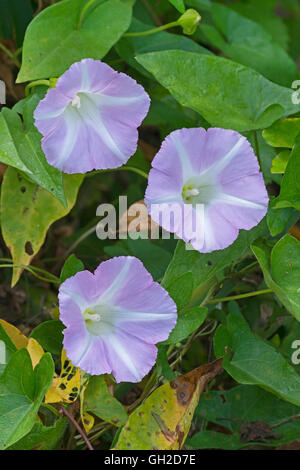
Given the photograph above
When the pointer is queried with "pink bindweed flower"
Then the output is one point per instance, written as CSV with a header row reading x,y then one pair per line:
x,y
209,180
114,318
89,121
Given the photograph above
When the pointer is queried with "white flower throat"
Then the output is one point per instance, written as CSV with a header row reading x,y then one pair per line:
x,y
195,191
99,319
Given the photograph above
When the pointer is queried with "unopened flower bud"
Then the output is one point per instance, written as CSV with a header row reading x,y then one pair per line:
x,y
189,21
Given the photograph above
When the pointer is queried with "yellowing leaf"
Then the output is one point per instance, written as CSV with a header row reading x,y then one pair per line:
x,y
35,351
282,133
87,421
163,421
65,388
279,163
19,340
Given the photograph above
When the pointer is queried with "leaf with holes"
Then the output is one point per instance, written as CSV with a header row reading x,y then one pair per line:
x,y
64,388
27,213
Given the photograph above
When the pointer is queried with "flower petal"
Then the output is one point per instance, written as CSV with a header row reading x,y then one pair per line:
x,y
149,315
133,313
79,289
110,277
86,351
218,233
163,188
49,109
222,147
129,357
213,176
89,121
151,327
244,201
143,308
170,167
77,342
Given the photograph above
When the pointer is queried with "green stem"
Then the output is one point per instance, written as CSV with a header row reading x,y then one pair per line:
x,y
121,168
11,55
18,51
233,275
51,278
115,62
34,268
170,350
241,296
148,386
145,392
249,267
186,347
94,437
36,83
83,12
134,170
152,31
46,273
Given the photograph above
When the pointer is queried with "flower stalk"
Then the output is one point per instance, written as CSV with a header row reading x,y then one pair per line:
x,y
188,21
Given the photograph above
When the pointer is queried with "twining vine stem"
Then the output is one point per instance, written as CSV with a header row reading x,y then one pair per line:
x,y
63,410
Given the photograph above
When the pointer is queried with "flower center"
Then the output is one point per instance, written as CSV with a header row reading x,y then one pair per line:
x,y
195,191
99,319
91,316
189,192
76,102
